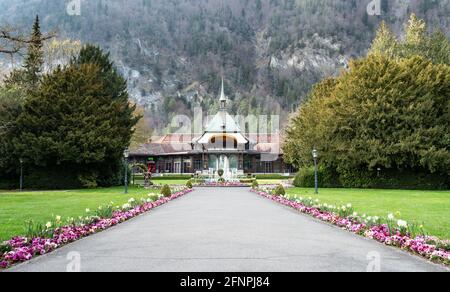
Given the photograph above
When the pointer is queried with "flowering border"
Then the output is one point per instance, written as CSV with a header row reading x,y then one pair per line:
x,y
23,249
381,233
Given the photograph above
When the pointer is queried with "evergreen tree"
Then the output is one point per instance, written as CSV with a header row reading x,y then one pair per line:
x,y
77,124
34,60
385,42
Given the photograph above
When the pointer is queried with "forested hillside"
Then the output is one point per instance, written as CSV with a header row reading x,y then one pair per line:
x,y
271,52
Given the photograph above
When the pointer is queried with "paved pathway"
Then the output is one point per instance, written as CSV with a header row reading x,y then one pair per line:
x,y
226,230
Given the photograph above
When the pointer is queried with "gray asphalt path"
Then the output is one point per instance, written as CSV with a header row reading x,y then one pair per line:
x,y
226,230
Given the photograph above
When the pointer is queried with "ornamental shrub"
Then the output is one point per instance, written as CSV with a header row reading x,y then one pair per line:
x,y
255,185
220,172
279,191
189,184
166,191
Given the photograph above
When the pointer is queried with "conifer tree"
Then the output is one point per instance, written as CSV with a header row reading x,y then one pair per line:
x,y
34,60
385,42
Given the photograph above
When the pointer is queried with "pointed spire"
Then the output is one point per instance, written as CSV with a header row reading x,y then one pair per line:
x,y
223,98
222,92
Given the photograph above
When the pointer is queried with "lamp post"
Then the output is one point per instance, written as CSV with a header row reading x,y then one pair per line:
x,y
315,155
21,174
126,154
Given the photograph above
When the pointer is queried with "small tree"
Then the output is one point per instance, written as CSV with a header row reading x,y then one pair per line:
x,y
166,191
279,191
189,184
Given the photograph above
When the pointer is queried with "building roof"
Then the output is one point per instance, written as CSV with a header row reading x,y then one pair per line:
x,y
222,122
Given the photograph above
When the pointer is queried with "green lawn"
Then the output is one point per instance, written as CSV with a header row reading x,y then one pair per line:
x,y
430,207
16,208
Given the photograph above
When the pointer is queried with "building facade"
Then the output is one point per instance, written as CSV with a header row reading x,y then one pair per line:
x,y
222,145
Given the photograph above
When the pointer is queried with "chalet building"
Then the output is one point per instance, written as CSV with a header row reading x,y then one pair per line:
x,y
222,145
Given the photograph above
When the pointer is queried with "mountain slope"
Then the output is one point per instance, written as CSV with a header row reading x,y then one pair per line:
x,y
270,51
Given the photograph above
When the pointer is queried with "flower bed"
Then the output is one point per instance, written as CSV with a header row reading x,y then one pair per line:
x,y
21,249
428,247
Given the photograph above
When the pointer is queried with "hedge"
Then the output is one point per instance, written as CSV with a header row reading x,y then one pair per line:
x,y
363,178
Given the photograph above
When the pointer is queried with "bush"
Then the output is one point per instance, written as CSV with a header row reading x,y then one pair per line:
x,y
166,191
279,191
255,185
220,172
221,180
189,184
363,178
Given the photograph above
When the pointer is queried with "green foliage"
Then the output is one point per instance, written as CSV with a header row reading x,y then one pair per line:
x,y
220,172
5,248
417,42
39,230
279,191
166,191
105,212
388,113
34,61
189,184
255,185
78,121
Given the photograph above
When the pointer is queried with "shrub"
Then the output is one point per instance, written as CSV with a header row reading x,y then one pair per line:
x,y
189,184
220,172
88,181
255,185
221,180
279,191
166,191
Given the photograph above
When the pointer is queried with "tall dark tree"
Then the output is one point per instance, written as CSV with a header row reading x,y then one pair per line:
x,y
77,125
34,60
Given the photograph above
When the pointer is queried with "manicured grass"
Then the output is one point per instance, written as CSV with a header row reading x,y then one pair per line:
x,y
16,208
432,208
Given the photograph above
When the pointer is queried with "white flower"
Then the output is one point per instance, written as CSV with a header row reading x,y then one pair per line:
x,y
48,225
126,206
349,206
376,218
402,223
87,210
132,200
58,218
391,216
355,214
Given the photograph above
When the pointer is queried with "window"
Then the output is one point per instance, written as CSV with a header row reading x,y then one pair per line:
x,y
198,165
